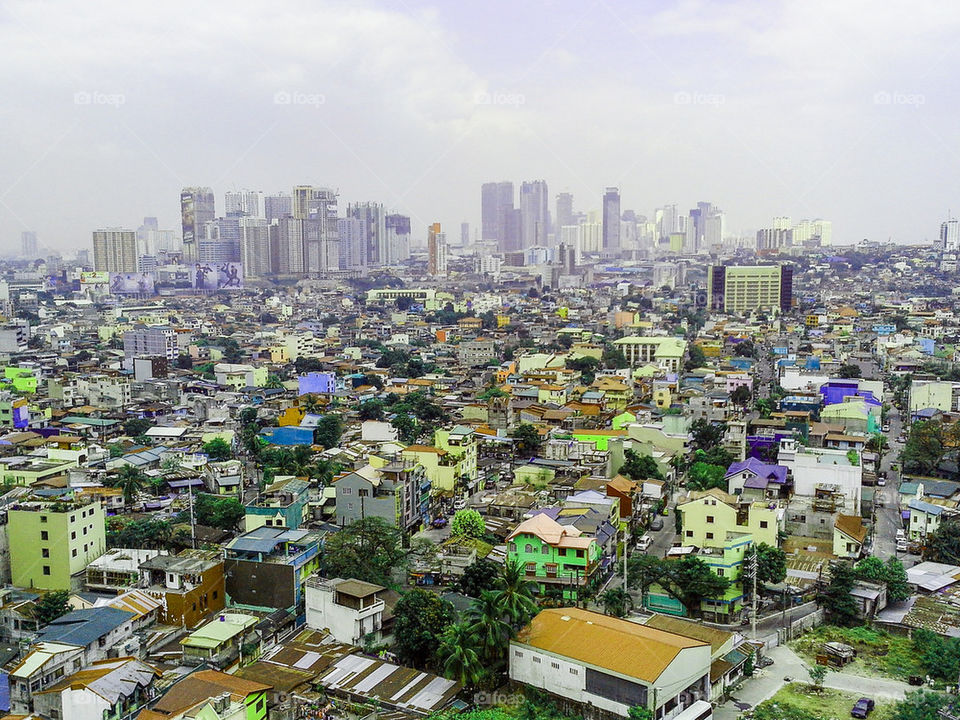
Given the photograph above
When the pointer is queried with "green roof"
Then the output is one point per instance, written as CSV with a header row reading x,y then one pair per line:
x,y
216,632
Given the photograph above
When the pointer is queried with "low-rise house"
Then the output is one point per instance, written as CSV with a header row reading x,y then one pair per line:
x,y
282,504
98,631
849,533
398,492
118,570
757,480
210,695
925,518
221,643
190,584
603,666
554,555
44,665
350,610
106,690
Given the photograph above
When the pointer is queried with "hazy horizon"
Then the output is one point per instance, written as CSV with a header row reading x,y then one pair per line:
x,y
839,111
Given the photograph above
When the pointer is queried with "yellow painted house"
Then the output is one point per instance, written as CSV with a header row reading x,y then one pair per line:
x,y
708,516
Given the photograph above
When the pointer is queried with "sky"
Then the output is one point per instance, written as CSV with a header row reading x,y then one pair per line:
x,y
840,110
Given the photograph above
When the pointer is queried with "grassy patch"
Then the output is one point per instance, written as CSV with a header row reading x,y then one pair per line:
x,y
799,701
878,652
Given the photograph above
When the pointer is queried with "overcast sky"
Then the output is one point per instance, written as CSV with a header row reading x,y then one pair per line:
x,y
843,110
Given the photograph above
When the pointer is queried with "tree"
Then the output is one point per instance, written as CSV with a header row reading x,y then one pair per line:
x,y
586,366
130,480
273,382
420,619
817,673
638,712
515,593
690,580
772,563
705,434
368,550
703,476
468,523
920,705
328,430
183,362
408,429
371,410
849,371
925,448
136,426
492,631
219,512
745,348
218,449
640,467
146,534
478,576
898,585
836,598
696,358
49,606
458,656
526,439
943,546
616,601
741,396
613,358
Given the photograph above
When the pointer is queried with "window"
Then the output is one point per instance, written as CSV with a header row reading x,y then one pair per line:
x,y
709,518
46,569
513,547
348,491
44,535
74,552
546,549
536,659
720,572
216,593
555,665
43,519
85,531
528,548
517,653
689,533
709,536
573,671
45,553
763,523
579,553
73,535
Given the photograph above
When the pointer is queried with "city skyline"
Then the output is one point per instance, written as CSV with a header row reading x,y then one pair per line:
x,y
428,114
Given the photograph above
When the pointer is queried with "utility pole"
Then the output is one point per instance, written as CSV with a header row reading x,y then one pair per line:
x,y
193,527
753,572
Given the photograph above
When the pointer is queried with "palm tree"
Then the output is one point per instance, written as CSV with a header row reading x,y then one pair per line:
x,y
130,480
515,593
458,656
273,382
488,625
616,601
310,403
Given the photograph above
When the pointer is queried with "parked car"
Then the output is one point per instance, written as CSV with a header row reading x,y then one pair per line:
x,y
765,661
902,546
459,504
863,708
643,543
440,522
657,524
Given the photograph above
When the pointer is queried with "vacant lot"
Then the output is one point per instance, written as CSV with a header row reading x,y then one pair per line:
x,y
799,701
879,654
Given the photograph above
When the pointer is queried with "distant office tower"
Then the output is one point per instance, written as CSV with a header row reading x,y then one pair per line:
x,y
823,229
570,236
317,209
774,238
697,226
747,288
496,204
398,238
782,222
464,234
591,234
714,229
197,209
371,217
83,257
567,257
669,221
277,206
289,250
220,241
950,235
243,202
512,230
611,221
534,213
29,248
564,211
353,248
115,250
255,247
436,251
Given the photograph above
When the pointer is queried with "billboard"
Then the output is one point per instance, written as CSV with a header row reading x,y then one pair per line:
x,y
188,216
133,283
209,277
94,278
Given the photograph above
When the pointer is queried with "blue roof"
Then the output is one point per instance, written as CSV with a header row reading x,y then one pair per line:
x,y
4,692
83,627
926,507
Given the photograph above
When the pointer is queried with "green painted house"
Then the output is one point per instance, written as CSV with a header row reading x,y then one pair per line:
x,y
554,555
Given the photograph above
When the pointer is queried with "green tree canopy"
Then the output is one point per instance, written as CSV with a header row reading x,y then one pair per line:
x,y
218,449
49,606
772,561
480,575
219,512
836,598
328,431
703,476
368,549
526,439
468,523
421,617
640,467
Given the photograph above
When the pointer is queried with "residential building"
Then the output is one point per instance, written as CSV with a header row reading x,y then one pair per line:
x,y
849,534
269,566
665,352
43,665
111,689
749,288
221,642
190,584
554,556
156,341
197,211
436,251
118,570
52,542
29,247
210,695
282,504
605,665
350,610
708,515
115,250
534,214
398,492
97,630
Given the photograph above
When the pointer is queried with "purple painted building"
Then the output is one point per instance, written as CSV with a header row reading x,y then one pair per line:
x,y
317,382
